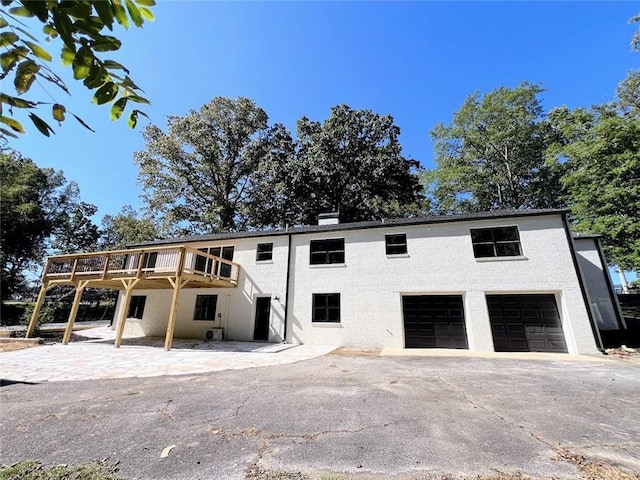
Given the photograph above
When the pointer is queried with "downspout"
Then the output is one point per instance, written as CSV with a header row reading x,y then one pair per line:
x,y
583,290
286,299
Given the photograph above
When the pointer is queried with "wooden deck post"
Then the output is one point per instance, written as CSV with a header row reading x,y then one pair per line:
x,y
36,310
74,311
128,288
177,286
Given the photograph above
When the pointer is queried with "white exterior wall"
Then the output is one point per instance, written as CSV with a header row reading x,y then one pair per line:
x,y
594,273
235,308
439,261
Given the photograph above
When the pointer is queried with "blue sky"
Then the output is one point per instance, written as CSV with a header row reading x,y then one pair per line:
x,y
414,60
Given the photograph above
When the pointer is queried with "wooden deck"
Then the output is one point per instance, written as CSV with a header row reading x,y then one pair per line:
x,y
171,267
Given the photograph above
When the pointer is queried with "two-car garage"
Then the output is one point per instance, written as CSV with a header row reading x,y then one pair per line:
x,y
519,322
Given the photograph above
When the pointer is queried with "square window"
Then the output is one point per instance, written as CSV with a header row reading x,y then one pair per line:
x,y
326,307
136,306
205,307
396,244
264,252
323,252
496,242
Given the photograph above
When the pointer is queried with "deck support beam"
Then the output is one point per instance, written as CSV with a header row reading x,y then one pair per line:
x,y
36,311
128,289
74,311
177,285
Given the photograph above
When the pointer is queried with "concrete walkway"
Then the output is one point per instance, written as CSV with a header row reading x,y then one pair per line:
x,y
97,358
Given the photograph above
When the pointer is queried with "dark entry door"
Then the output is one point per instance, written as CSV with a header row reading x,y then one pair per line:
x,y
263,311
434,321
526,323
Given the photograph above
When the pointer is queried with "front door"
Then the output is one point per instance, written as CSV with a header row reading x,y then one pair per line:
x,y
263,312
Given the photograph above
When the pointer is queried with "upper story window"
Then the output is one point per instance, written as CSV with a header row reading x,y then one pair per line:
x,y
264,252
136,306
327,251
496,242
149,260
204,264
395,244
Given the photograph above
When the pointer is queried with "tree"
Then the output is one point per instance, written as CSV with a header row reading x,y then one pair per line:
x,y
198,176
81,26
600,154
39,209
493,155
125,228
351,163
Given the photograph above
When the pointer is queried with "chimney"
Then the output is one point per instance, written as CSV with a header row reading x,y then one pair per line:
x,y
332,218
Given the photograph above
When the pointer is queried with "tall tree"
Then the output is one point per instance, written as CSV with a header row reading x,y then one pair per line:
x,y
78,28
125,228
600,155
198,176
351,163
492,156
38,209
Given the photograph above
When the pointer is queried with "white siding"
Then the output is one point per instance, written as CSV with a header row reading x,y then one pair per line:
x,y
439,261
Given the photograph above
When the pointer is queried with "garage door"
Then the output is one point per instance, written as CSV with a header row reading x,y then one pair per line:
x,y
525,323
434,321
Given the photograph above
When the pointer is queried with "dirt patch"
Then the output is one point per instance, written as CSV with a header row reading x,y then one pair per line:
x,y
12,346
348,351
30,470
595,470
624,352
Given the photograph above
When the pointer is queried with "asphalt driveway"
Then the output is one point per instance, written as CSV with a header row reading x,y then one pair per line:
x,y
349,416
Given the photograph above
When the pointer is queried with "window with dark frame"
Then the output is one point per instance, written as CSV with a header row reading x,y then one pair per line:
x,y
496,242
395,244
149,260
327,251
326,307
205,307
136,306
264,252
205,264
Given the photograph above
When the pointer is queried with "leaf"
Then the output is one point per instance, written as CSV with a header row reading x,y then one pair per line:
x,y
83,123
38,8
146,3
49,30
133,119
110,64
118,108
21,12
106,44
147,14
98,76
8,38
138,99
134,13
64,27
58,112
25,32
39,52
120,13
82,63
105,93
25,76
16,102
76,9
8,133
14,125
3,22
67,56
41,124
105,12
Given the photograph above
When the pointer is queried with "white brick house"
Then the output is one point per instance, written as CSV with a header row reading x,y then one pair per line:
x,y
503,281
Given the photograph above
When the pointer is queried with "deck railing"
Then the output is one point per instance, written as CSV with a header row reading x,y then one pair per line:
x,y
147,262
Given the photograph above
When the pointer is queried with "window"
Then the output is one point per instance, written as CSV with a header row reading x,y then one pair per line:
x,y
327,251
149,260
326,307
205,307
496,242
204,264
264,252
136,306
396,244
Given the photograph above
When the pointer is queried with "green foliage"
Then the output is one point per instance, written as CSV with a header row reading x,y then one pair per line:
x,y
80,26
492,156
125,228
600,154
39,210
32,470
